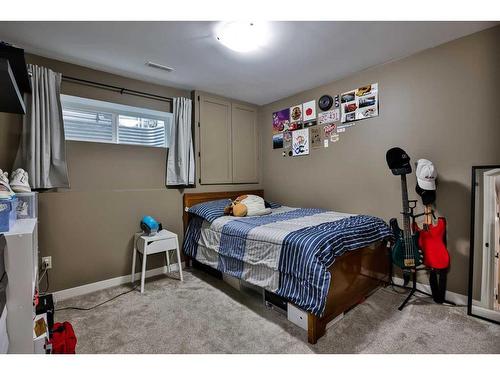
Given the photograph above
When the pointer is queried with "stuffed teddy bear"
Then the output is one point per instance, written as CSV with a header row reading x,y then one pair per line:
x,y
236,208
247,205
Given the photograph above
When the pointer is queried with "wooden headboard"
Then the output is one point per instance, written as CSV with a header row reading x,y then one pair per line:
x,y
190,199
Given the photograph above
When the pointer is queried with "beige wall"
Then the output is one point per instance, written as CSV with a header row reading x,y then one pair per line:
x,y
10,130
440,104
88,229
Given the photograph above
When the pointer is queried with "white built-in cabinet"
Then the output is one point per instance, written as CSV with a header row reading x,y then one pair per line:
x,y
228,147
21,265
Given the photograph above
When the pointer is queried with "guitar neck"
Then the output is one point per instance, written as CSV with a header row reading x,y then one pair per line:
x,y
406,205
428,216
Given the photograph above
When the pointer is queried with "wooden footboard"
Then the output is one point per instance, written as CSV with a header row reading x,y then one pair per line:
x,y
355,275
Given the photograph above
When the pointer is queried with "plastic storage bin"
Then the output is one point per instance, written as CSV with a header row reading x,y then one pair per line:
x,y
8,214
27,205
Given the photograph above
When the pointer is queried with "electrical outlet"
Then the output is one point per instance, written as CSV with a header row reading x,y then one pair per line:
x,y
46,263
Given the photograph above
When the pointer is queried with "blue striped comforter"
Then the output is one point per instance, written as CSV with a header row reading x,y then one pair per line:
x,y
287,252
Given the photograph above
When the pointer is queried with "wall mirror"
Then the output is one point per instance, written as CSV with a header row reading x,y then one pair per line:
x,y
484,267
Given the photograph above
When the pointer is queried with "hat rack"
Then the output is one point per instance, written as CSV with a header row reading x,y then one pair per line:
x,y
398,162
412,204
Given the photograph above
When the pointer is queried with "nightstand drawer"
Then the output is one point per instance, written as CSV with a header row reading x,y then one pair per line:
x,y
158,246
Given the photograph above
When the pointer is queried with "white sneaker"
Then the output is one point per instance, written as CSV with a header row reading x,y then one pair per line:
x,y
19,181
5,190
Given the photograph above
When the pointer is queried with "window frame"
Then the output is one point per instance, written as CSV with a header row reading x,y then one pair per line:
x,y
115,110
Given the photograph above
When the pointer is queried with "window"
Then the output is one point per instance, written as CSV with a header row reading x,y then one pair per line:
x,y
97,121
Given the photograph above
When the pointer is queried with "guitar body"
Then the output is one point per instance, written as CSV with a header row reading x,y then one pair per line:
x,y
431,241
401,257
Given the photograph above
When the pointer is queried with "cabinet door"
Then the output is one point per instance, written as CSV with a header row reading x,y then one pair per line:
x,y
245,144
215,141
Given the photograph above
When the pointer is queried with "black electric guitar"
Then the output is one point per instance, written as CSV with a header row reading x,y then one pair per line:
x,y
405,252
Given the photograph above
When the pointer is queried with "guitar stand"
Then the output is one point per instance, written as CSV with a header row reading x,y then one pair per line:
x,y
414,270
412,291
415,289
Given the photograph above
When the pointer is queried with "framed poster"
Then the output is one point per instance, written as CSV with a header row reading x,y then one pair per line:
x,y
309,113
281,121
309,110
359,103
316,138
296,117
300,142
287,139
278,141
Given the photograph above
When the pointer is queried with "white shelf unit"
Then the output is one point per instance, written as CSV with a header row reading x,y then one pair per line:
x,y
21,264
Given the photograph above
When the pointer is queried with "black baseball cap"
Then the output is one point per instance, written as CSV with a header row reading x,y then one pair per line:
x,y
398,161
427,196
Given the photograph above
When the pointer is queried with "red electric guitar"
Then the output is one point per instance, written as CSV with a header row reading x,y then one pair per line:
x,y
431,240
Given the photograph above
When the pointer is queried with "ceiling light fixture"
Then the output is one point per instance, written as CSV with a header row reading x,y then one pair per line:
x,y
159,66
243,36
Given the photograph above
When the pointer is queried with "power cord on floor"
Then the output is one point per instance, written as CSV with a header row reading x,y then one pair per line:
x,y
99,304
47,282
47,285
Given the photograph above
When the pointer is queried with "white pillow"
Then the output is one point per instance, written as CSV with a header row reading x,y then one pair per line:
x,y
255,206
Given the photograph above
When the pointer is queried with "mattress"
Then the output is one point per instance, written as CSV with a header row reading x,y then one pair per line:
x,y
287,252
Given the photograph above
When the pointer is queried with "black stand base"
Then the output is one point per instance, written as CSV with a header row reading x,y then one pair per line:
x,y
400,308
414,289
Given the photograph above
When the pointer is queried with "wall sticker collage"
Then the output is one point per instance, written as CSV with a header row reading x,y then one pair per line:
x,y
300,127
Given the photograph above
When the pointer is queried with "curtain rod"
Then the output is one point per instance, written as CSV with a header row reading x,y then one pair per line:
x,y
121,90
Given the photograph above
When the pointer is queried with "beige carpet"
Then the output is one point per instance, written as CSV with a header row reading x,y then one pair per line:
x,y
205,315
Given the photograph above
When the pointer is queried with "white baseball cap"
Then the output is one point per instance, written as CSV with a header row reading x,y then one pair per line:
x,y
426,174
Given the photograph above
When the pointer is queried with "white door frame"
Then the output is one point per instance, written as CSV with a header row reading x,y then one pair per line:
x,y
496,248
489,241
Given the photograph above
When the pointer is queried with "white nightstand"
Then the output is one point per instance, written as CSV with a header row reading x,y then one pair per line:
x,y
163,241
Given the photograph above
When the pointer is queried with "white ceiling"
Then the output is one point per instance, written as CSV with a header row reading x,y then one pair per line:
x,y
299,56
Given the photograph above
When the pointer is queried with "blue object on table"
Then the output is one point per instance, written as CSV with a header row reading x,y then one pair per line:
x,y
8,214
150,226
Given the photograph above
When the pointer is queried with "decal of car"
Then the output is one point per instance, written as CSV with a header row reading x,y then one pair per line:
x,y
366,102
368,112
364,90
350,107
349,97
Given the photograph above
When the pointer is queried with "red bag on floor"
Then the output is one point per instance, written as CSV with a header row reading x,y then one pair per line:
x,y
63,339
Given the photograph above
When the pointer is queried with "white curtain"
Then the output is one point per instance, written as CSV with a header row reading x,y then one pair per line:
x,y
180,162
42,151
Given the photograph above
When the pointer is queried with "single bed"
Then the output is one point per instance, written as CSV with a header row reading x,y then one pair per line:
x,y
321,261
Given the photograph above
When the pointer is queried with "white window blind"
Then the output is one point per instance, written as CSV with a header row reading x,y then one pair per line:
x,y
97,121
87,125
141,131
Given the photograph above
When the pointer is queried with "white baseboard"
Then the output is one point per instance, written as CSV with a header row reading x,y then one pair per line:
x,y
61,295
459,299
486,313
